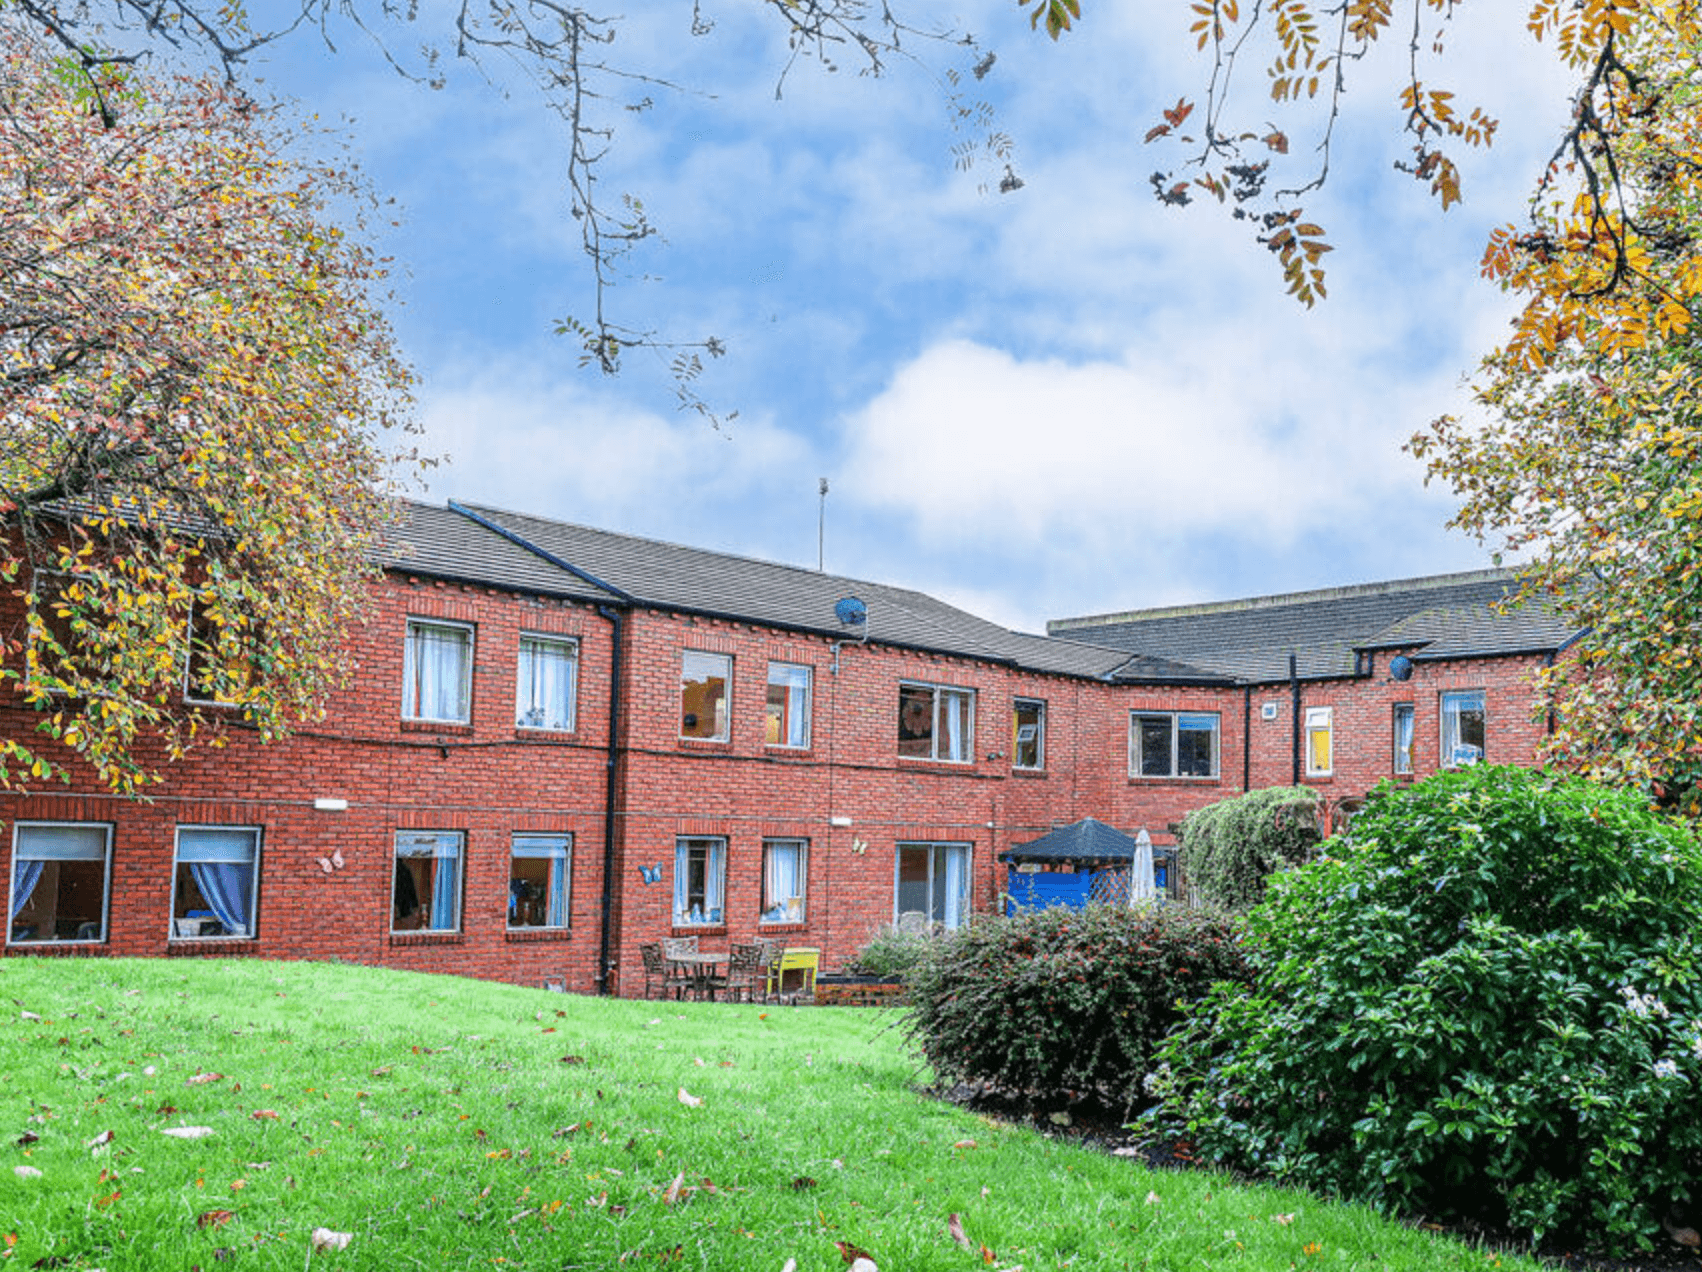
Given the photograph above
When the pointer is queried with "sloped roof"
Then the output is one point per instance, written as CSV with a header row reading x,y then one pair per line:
x,y
438,543
1443,616
693,580
1088,840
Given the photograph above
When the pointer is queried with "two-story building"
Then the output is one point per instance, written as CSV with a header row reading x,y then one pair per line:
x,y
561,742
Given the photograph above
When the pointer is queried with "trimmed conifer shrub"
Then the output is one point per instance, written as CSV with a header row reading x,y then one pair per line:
x,y
1229,849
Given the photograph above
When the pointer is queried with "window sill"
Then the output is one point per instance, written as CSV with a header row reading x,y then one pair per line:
x,y
1028,772
764,929
522,734
698,929
945,766
1216,779
427,938
454,728
778,752
525,936
706,744
210,946
56,949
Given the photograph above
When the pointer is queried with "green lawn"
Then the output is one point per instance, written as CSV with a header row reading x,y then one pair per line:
x,y
446,1123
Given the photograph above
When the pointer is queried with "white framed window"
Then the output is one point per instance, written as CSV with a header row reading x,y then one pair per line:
x,y
700,881
785,874
1402,722
61,880
546,683
1463,726
931,885
788,718
1028,734
539,880
437,672
1320,741
936,722
1173,743
214,882
705,682
426,893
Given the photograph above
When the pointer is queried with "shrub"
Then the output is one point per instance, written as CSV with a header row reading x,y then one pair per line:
x,y
1230,848
1486,1004
893,953
1059,1000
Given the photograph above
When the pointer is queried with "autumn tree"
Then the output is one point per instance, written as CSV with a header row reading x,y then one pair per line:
x,y
195,389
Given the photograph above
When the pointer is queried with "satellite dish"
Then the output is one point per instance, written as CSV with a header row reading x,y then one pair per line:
x,y
851,611
1400,667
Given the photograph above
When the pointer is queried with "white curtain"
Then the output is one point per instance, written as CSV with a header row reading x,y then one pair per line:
x,y
545,685
794,684
783,878
954,710
712,855
435,671
715,881
954,895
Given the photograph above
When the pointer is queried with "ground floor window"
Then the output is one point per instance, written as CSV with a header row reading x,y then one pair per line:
x,y
1403,725
213,885
700,881
426,895
59,881
933,882
783,875
538,881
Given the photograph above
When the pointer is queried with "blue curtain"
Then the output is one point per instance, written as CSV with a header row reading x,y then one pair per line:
x,y
25,875
557,913
225,885
445,887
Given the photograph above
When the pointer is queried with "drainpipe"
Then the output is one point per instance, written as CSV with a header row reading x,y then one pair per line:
x,y
1294,708
1246,737
1548,665
617,622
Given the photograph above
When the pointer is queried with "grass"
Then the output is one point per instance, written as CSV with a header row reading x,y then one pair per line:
x,y
446,1123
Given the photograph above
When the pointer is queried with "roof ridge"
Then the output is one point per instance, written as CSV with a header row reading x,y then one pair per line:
x,y
1430,582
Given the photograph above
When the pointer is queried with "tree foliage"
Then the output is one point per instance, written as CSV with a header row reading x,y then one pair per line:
x,y
1231,848
194,390
1590,456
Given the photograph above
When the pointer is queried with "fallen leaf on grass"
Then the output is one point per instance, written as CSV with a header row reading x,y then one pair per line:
x,y
851,1253
791,1265
29,1015
676,1191
573,1059
1152,1199
187,1132
863,1265
1284,1220
688,1099
966,1143
198,1079
213,1218
324,1240
988,1257
954,1226
26,1172
262,1115
803,1183
100,1141
27,1138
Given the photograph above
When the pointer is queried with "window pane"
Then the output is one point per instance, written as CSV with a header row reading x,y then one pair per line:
x,y
1463,720
1152,745
435,666
58,888
1403,737
788,722
783,877
932,886
213,885
538,881
956,740
1319,759
703,694
699,881
1196,746
915,720
545,684
1028,734
426,893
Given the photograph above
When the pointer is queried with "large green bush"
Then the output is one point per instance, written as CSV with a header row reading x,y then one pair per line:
x,y
1061,1000
893,953
1486,1003
1230,848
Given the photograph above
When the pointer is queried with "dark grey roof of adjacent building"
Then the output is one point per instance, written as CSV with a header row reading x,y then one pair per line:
x,y
1089,840
439,543
1444,616
604,566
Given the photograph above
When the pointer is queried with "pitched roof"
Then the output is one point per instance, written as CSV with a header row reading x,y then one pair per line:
x,y
473,543
1443,616
1088,840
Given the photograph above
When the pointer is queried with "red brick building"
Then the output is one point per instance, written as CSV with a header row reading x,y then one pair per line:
x,y
561,743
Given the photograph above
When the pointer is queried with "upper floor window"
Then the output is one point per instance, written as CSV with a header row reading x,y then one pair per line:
x,y
784,864
1320,741
213,885
215,670
1403,730
700,881
704,683
546,683
1463,720
538,880
788,721
1028,734
437,672
936,723
1173,743
59,881
426,894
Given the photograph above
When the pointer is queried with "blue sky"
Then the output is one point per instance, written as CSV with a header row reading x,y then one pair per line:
x,y
1059,401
